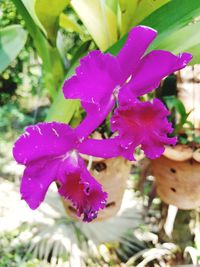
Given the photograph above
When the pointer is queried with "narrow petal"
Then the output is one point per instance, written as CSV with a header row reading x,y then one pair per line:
x,y
153,68
139,38
36,180
145,124
105,148
83,190
126,95
93,120
94,82
44,139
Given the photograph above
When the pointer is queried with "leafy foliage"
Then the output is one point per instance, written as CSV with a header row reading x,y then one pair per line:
x,y
13,39
103,18
49,15
173,103
58,52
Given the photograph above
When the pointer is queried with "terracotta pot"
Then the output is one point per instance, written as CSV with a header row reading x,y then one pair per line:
x,y
113,175
178,181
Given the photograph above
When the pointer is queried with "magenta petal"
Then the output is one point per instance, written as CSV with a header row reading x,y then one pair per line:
x,y
83,190
36,179
126,95
44,139
139,38
153,68
95,80
145,124
105,148
93,120
153,147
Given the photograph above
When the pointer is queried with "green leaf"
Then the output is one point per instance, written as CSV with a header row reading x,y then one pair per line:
x,y
113,5
30,6
171,17
175,105
133,12
184,40
127,9
114,49
67,23
48,14
80,52
99,19
195,51
39,39
144,8
62,109
167,21
12,40
52,64
173,102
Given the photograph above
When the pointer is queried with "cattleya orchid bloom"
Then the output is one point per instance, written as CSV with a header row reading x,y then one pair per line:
x,y
50,151
100,77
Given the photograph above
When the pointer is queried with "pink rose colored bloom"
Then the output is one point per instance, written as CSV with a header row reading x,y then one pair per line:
x,y
49,153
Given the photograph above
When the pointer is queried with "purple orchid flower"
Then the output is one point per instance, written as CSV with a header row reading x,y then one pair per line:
x,y
100,76
49,152
125,78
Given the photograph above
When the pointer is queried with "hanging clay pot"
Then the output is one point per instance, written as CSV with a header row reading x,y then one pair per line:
x,y
177,175
112,174
178,152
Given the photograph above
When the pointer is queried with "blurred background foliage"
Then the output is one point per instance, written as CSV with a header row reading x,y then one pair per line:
x,y
40,45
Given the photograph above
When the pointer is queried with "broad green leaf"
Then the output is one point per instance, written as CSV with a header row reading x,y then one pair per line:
x,y
67,23
99,19
62,109
30,6
144,8
184,40
12,40
52,63
113,5
39,39
48,14
127,9
171,17
167,21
